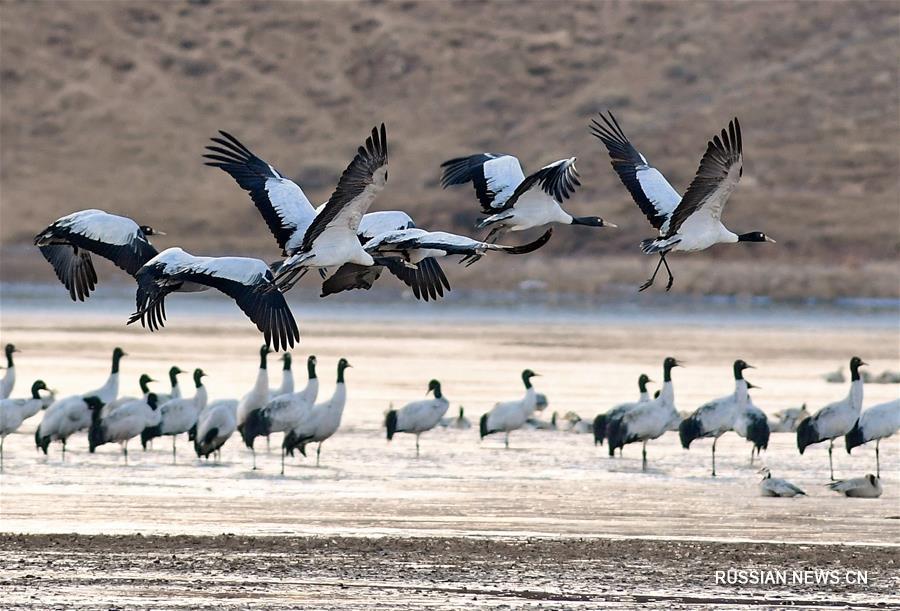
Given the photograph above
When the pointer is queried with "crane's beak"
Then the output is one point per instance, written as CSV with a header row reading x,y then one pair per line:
x,y
608,224
768,239
157,232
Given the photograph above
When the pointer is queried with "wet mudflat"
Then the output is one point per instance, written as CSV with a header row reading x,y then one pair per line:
x,y
234,572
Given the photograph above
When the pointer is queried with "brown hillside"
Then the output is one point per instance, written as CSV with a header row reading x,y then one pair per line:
x,y
109,104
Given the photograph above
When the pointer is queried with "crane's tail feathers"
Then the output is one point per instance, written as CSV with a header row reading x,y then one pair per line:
x,y
688,431
599,428
256,425
150,432
854,438
483,426
616,435
806,435
390,423
652,246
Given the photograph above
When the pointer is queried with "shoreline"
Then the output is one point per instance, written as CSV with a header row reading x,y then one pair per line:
x,y
231,571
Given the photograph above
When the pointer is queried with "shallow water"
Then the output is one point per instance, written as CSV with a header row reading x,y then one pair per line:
x,y
547,484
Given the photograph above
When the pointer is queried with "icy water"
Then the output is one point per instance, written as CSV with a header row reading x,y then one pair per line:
x,y
547,484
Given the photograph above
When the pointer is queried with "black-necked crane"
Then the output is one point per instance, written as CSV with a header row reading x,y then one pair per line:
x,y
282,413
876,423
288,213
8,381
125,423
601,420
249,282
835,419
69,415
215,425
418,417
255,399
426,279
717,417
13,412
178,416
318,424
509,416
513,201
685,224
645,421
68,242
331,239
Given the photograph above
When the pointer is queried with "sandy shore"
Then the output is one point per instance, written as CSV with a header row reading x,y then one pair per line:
x,y
140,572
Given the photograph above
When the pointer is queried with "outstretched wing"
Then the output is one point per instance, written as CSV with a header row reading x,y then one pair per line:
x,y
648,187
73,267
494,176
248,281
719,173
280,201
558,180
251,284
116,238
360,183
427,281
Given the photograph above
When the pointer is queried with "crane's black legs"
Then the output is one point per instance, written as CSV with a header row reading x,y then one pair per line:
x,y
830,464
668,271
417,445
318,453
662,261
173,448
644,457
506,441
877,459
714,456
282,460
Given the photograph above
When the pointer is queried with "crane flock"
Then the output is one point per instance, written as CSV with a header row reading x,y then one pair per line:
x,y
349,246
305,419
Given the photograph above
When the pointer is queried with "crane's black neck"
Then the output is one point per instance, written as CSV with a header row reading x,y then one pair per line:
x,y
526,379
36,388
854,371
9,355
173,376
642,384
287,362
311,368
144,383
437,391
117,356
667,372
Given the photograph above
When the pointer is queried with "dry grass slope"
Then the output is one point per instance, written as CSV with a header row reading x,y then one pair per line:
x,y
109,104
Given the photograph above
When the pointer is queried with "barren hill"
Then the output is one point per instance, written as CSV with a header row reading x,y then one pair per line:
x,y
109,105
